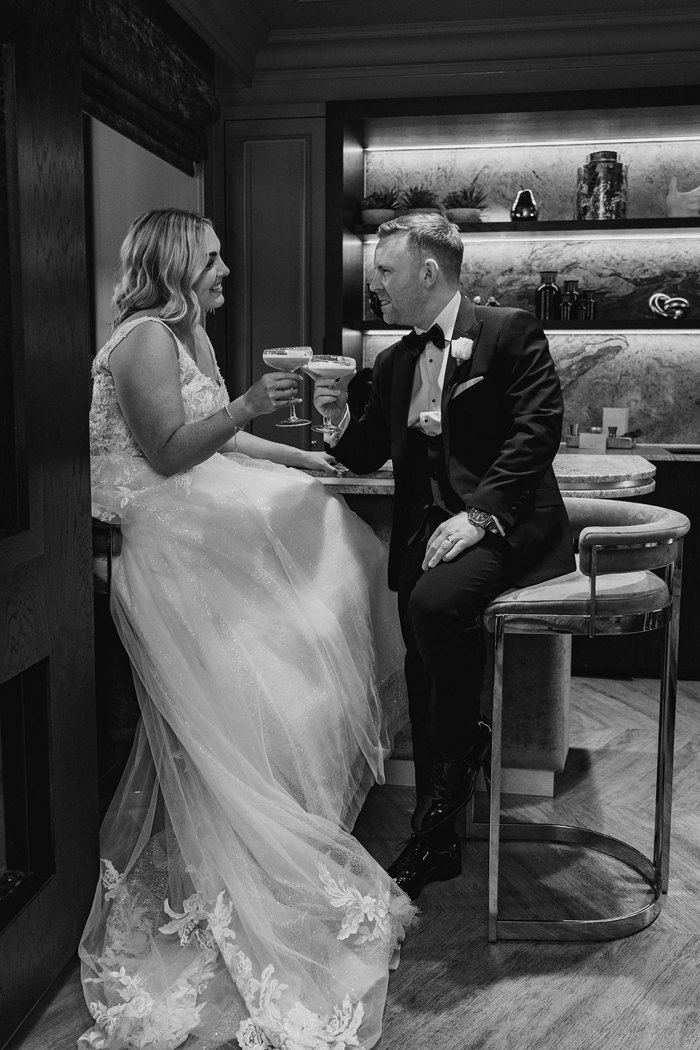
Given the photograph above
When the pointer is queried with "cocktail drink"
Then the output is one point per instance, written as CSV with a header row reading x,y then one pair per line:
x,y
289,359
327,368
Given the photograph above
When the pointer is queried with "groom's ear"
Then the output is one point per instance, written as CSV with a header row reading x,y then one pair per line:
x,y
430,271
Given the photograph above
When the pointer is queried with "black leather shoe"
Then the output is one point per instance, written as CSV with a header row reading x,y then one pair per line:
x,y
452,784
418,864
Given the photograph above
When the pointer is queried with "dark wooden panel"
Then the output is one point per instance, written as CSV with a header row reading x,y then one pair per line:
x,y
46,594
21,526
274,245
13,509
344,250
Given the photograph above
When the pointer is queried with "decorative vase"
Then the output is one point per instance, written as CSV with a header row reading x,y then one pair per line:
x,y
465,215
548,298
524,207
376,216
601,189
681,205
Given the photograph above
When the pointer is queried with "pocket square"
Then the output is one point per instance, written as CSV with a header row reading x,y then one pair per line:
x,y
461,387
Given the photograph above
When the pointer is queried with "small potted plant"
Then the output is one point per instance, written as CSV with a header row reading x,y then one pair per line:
x,y
379,206
466,203
419,198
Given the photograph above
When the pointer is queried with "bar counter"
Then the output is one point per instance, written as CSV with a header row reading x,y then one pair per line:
x,y
580,472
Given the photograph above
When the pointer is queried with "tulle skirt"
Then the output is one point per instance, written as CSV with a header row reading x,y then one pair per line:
x,y
233,900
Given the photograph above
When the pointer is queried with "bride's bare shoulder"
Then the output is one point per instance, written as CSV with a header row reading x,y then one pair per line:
x,y
143,336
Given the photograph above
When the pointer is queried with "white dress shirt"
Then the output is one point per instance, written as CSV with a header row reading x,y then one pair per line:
x,y
424,411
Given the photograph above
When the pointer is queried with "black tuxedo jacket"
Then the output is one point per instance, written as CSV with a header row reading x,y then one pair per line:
x,y
501,427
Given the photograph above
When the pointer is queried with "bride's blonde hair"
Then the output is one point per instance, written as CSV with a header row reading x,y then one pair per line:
x,y
160,260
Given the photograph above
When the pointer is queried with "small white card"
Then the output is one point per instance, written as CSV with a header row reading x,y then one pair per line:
x,y
618,418
591,441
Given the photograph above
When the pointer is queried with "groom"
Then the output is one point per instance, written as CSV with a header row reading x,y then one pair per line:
x,y
468,407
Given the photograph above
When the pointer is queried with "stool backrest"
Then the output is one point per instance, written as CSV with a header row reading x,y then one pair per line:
x,y
622,536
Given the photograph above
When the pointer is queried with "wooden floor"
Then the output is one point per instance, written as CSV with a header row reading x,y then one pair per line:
x,y
455,991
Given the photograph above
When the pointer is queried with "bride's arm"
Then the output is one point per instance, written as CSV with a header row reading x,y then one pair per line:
x,y
147,380
261,448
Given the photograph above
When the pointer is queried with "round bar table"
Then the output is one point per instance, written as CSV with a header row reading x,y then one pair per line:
x,y
579,473
603,475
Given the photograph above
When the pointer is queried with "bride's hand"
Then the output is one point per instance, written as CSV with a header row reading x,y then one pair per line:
x,y
274,390
321,461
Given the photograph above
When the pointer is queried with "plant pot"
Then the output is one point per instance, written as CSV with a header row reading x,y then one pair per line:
x,y
376,216
416,211
465,215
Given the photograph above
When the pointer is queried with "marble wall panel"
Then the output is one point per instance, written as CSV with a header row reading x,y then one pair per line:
x,y
655,375
621,271
549,171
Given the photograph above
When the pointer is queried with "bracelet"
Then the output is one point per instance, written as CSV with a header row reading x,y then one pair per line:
x,y
236,428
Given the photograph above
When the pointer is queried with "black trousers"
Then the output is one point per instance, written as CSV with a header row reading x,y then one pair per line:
x,y
439,610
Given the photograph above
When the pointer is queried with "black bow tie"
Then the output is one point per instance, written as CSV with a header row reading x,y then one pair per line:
x,y
416,342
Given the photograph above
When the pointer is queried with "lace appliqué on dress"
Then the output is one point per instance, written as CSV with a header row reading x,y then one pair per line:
x,y
119,467
132,1012
357,908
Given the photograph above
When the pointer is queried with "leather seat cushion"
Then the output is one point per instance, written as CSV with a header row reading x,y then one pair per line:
x,y
617,594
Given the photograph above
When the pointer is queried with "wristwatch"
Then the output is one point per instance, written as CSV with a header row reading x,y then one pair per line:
x,y
482,519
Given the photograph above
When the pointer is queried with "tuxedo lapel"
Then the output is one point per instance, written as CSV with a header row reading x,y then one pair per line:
x,y
401,390
466,327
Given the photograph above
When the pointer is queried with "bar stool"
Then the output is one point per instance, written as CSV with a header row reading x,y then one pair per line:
x,y
628,580
106,545
117,708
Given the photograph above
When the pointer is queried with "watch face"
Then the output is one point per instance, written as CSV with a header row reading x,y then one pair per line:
x,y
479,517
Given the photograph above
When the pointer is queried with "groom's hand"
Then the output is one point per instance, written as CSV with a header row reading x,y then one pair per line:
x,y
330,399
450,538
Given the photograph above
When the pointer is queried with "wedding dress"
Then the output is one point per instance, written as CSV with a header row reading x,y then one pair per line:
x,y
233,900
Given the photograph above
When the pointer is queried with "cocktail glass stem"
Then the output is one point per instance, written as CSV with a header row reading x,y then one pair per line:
x,y
293,419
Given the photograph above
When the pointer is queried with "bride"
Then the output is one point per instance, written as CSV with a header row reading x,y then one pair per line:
x,y
233,901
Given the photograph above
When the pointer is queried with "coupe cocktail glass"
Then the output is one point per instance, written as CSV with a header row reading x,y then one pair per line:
x,y
289,359
329,369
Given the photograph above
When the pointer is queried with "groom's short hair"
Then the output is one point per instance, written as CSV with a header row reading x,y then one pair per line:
x,y
429,234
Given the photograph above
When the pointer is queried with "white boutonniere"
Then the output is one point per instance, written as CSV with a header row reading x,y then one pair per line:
x,y
462,348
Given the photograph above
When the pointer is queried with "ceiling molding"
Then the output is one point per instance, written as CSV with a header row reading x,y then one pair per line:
x,y
249,48
470,67
279,90
233,29
366,49
575,20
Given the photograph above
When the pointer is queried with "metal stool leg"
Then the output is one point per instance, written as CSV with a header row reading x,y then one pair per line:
x,y
667,723
654,873
495,792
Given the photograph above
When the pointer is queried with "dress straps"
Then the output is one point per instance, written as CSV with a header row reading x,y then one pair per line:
x,y
119,334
